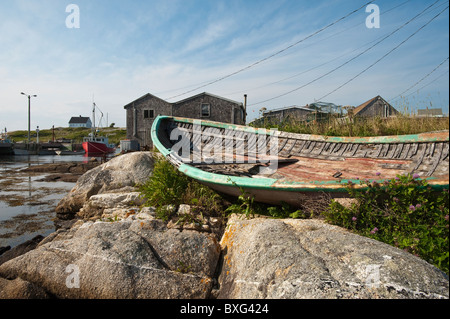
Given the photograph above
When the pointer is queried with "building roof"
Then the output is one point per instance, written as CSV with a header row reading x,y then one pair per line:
x,y
142,98
369,103
209,94
182,101
79,120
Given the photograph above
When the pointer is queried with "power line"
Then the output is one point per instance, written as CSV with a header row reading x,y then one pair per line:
x,y
420,80
274,54
392,50
445,73
308,70
348,61
325,63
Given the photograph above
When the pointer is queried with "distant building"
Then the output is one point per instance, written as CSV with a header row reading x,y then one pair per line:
x,y
430,112
280,114
376,106
80,121
142,112
312,111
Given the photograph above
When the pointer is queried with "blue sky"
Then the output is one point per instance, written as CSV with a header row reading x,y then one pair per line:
x,y
125,49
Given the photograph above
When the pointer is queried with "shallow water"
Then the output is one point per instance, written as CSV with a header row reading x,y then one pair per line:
x,y
27,205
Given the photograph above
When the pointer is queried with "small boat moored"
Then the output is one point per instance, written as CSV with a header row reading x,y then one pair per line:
x,y
95,144
6,145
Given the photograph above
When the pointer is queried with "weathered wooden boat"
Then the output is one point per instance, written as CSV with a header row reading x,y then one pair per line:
x,y
275,166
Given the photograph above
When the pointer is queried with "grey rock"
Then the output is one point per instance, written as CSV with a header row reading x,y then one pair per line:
x,y
96,205
120,174
267,258
126,259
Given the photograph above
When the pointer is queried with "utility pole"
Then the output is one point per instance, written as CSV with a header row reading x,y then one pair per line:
x,y
29,102
245,108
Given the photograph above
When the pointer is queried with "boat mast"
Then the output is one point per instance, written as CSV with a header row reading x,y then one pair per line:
x,y
93,118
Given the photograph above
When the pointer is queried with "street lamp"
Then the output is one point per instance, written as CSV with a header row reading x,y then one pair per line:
x,y
29,98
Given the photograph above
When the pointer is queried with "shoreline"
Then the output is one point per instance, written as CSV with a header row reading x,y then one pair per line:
x,y
35,206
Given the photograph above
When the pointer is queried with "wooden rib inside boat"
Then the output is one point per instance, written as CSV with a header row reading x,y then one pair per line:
x,y
277,166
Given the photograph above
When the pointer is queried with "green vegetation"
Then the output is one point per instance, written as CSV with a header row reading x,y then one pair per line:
x,y
359,126
404,212
70,133
167,187
245,204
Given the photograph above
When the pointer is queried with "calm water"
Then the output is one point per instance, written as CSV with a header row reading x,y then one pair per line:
x,y
27,204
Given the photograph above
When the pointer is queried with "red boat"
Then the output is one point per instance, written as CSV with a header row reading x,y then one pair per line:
x,y
97,144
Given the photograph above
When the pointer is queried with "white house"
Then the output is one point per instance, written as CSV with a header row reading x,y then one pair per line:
x,y
80,121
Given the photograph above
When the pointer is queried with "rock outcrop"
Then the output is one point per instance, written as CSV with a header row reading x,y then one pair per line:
x,y
134,258
20,249
120,174
110,204
288,258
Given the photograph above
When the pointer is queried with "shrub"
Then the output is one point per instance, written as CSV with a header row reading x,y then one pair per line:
x,y
167,188
404,212
245,204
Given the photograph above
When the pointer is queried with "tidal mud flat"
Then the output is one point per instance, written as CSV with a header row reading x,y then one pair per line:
x,y
29,193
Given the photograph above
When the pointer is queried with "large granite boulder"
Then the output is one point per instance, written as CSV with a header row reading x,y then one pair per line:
x,y
138,257
120,174
270,258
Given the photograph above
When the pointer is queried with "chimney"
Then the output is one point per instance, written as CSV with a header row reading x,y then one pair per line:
x,y
245,108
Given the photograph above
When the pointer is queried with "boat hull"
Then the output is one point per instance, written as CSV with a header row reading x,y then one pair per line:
x,y
302,166
94,147
6,149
